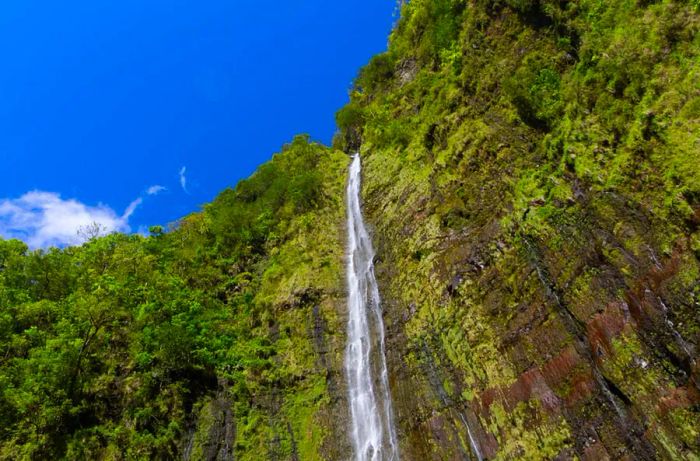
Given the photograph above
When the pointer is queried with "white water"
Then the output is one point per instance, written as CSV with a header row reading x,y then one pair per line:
x,y
373,434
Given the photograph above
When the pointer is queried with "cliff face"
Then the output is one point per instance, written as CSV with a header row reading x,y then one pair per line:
x,y
291,400
532,173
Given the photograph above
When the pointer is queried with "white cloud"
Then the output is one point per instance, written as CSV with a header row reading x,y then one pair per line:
x,y
155,190
131,208
183,179
44,219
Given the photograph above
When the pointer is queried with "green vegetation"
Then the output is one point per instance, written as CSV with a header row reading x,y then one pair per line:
x,y
128,346
531,174
532,170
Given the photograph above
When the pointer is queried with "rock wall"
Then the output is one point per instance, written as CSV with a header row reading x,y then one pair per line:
x,y
531,175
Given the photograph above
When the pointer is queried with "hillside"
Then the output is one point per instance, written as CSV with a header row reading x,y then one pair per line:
x,y
531,178
217,337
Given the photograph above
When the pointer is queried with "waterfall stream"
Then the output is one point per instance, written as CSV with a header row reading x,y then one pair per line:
x,y
373,434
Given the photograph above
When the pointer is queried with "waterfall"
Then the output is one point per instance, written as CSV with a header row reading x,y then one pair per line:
x,y
373,434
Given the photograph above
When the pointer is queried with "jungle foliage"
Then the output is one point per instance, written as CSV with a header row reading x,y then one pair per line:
x,y
529,167
532,173
112,349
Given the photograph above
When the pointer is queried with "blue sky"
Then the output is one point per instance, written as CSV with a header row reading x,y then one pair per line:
x,y
136,112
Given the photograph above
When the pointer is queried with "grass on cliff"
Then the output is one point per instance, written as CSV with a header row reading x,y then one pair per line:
x,y
528,164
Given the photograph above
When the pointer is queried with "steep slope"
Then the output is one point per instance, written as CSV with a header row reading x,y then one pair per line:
x,y
216,340
532,172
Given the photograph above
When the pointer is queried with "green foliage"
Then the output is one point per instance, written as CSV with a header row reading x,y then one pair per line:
x,y
376,75
350,120
534,91
108,350
428,27
527,165
242,219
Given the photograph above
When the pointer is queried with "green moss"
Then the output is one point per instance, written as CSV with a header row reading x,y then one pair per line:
x,y
519,439
524,172
686,422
